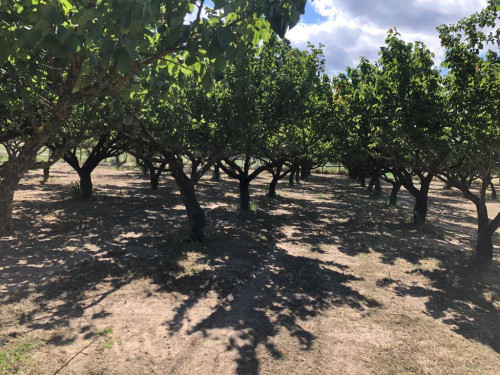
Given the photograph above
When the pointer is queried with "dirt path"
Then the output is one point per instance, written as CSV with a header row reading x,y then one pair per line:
x,y
323,280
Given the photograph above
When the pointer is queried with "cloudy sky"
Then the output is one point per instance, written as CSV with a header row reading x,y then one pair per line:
x,y
350,29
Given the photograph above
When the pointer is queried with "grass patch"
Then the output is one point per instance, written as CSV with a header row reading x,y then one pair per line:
x,y
14,358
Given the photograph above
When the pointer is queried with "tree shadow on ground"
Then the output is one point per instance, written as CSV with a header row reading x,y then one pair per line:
x,y
79,246
462,294
134,233
263,289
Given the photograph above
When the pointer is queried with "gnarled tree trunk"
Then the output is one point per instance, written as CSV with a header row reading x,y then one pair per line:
x,y
195,213
393,198
271,193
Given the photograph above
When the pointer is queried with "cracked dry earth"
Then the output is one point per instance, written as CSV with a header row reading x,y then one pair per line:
x,y
323,280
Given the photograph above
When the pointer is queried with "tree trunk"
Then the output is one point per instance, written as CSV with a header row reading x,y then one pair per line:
x,y
484,246
6,201
493,191
271,193
10,174
244,194
305,171
46,175
361,178
375,183
86,183
291,178
393,199
154,180
420,209
195,213
274,182
216,174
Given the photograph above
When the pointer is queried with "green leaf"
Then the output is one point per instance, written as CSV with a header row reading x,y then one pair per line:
x,y
122,60
108,47
29,37
83,17
220,64
53,16
72,45
174,35
207,82
224,36
67,6
191,59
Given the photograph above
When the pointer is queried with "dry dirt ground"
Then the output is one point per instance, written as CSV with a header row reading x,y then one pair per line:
x,y
323,280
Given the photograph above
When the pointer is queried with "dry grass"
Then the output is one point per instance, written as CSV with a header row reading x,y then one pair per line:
x,y
323,280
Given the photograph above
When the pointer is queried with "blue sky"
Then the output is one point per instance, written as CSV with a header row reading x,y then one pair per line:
x,y
350,29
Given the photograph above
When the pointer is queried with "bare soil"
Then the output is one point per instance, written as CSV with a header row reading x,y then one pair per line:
x,y
325,279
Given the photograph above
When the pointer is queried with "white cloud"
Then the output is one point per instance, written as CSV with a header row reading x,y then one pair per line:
x,y
354,28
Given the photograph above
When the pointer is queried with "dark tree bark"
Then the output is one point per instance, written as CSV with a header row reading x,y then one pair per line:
x,y
244,194
216,174
393,199
420,208
195,213
484,246
154,179
271,193
375,183
362,178
493,191
6,202
277,174
11,173
305,170
421,195
85,175
154,174
291,178
46,175
352,173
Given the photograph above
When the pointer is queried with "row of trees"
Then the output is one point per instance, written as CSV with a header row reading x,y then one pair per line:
x,y
193,96
57,55
404,120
